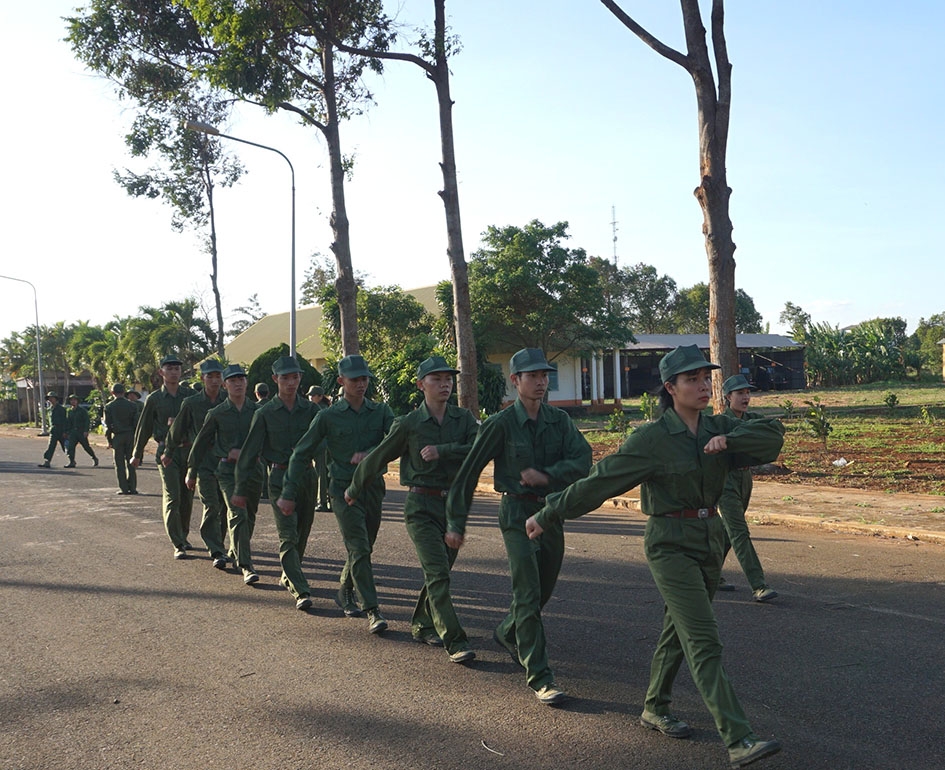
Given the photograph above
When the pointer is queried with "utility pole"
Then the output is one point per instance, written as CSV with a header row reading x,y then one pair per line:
x,y
613,225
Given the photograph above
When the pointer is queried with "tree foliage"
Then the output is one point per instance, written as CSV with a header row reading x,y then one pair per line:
x,y
529,290
279,54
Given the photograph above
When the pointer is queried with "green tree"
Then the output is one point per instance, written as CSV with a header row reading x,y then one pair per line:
x,y
922,348
530,290
260,370
278,54
692,311
248,315
191,165
647,298
794,317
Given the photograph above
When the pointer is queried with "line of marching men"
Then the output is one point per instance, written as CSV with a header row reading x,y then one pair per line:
x,y
224,446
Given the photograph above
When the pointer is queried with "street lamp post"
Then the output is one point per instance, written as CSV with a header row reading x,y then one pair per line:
x,y
206,128
41,399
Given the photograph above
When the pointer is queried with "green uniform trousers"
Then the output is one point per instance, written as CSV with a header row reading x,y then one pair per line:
x,y
425,520
293,530
737,536
79,440
359,525
177,501
685,559
213,523
241,522
123,446
534,566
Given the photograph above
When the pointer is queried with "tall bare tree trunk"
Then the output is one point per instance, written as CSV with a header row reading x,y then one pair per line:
x,y
713,192
467,381
212,248
345,286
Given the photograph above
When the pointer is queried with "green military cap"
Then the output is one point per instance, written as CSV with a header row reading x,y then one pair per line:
x,y
736,382
685,358
210,365
316,390
433,365
72,396
134,393
530,360
118,389
52,394
286,365
233,370
171,358
353,366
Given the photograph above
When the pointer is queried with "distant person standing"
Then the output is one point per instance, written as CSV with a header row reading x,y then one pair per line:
x,y
276,428
352,426
262,393
221,438
316,394
737,494
121,417
158,415
57,428
181,436
77,427
537,450
432,441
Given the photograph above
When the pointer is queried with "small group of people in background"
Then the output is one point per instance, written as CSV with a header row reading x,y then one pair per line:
x,y
307,454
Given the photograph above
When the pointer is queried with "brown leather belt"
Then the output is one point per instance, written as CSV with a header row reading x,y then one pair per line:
x,y
430,491
280,466
692,513
530,497
227,460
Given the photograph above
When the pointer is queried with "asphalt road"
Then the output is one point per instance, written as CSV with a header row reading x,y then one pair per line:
x,y
117,656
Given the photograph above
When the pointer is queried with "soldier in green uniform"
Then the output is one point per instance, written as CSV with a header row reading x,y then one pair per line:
x,y
121,417
221,438
276,428
181,436
156,418
431,442
77,431
316,394
536,450
57,428
737,494
681,462
353,426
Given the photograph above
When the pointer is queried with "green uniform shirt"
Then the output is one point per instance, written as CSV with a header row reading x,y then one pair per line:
x,y
347,431
273,434
121,416
411,433
224,428
738,485
189,420
58,421
670,464
77,420
156,418
550,444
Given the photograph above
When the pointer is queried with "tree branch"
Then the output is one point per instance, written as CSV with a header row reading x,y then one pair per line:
x,y
724,68
289,107
661,48
430,69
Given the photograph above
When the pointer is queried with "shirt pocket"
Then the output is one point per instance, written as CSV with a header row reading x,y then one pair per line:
x,y
519,454
673,470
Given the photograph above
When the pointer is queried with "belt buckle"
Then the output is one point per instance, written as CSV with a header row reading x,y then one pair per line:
x,y
703,513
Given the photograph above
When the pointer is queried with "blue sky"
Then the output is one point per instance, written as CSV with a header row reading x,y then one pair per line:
x,y
836,157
